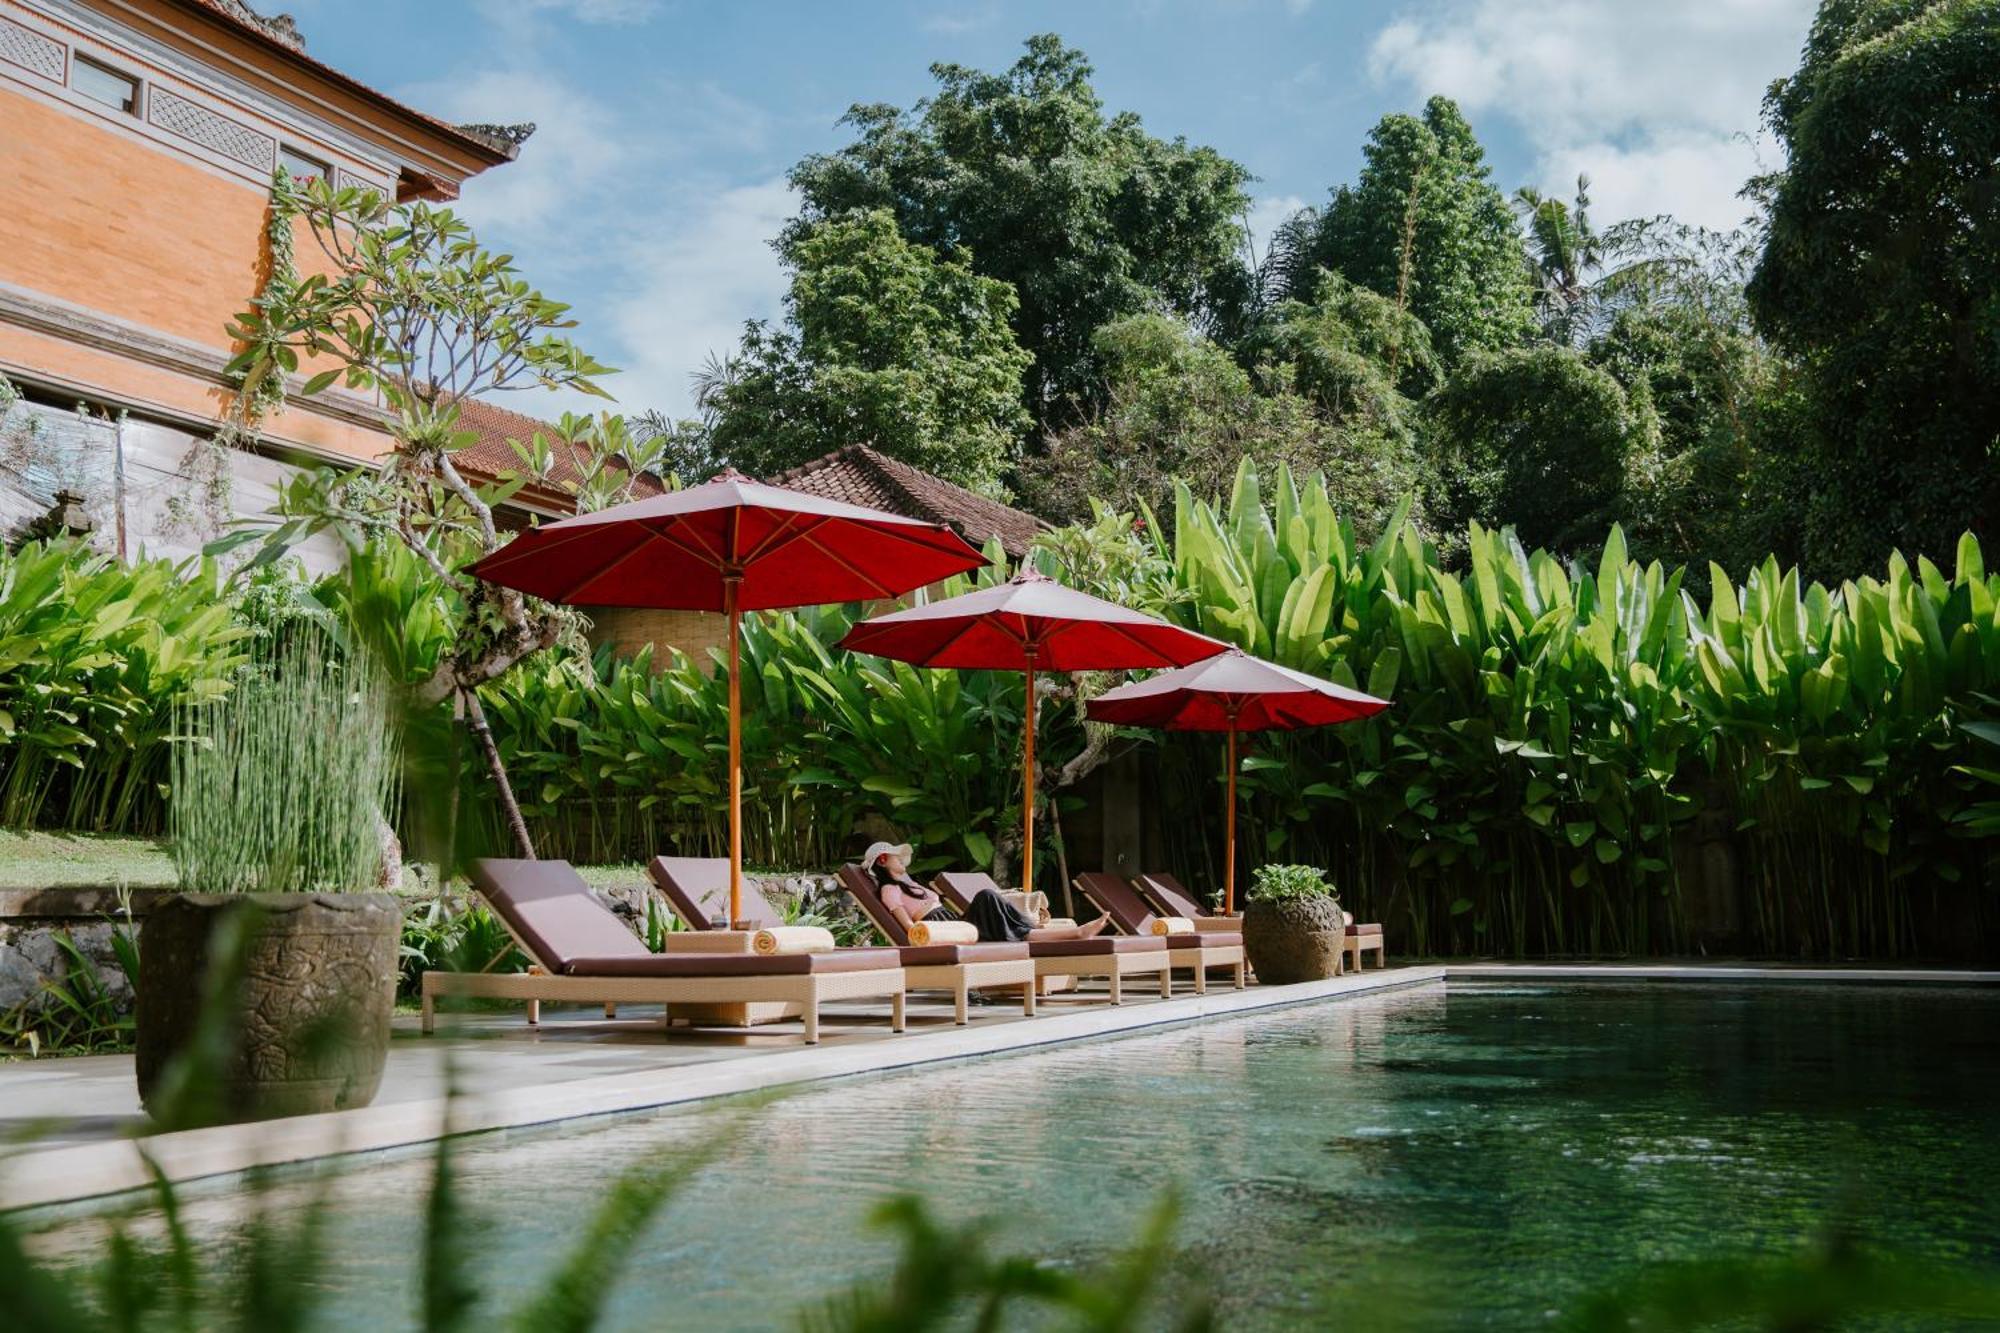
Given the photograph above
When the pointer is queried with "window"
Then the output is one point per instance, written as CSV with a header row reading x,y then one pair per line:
x,y
102,84
302,169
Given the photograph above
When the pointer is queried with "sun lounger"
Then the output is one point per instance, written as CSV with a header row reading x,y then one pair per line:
x,y
584,954
1170,895
1113,957
1197,950
958,968
697,888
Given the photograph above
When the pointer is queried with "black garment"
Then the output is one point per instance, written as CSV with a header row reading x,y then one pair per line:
x,y
998,921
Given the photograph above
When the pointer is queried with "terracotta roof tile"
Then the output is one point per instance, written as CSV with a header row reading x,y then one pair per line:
x,y
492,457
860,475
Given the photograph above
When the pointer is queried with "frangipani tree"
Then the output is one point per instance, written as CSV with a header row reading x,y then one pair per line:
x,y
409,305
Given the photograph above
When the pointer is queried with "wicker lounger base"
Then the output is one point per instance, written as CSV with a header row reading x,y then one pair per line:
x,y
961,979
804,989
1113,967
1201,957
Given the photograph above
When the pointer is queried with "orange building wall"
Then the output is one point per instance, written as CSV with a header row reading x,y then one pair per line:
x,y
122,227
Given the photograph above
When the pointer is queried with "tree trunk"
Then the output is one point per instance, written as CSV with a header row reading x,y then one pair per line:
x,y
475,721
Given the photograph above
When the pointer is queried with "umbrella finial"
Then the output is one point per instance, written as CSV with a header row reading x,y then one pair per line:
x,y
1029,574
728,474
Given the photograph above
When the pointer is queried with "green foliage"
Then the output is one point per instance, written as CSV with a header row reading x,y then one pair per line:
x,y
1179,406
1536,438
1424,226
443,934
94,659
1881,274
888,345
1553,727
1282,883
78,1014
284,785
1087,217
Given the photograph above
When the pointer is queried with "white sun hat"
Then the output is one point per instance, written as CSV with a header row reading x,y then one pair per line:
x,y
877,850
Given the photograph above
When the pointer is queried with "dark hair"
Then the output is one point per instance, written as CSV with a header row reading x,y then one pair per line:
x,y
883,879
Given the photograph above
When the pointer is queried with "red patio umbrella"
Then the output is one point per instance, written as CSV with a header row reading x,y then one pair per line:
x,y
1233,692
1029,623
729,545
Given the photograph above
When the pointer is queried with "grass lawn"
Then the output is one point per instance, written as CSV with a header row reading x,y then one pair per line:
x,y
83,860
103,860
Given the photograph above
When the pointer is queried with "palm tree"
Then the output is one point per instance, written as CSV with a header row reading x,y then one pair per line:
x,y
1565,254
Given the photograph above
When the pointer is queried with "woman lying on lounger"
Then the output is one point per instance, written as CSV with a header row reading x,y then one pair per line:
x,y
996,919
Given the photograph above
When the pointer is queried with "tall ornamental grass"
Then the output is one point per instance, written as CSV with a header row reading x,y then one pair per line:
x,y
283,785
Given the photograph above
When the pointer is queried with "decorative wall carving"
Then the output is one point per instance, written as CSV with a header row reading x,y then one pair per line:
x,y
31,51
197,124
343,179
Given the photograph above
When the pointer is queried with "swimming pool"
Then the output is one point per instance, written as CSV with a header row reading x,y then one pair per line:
x,y
1483,1154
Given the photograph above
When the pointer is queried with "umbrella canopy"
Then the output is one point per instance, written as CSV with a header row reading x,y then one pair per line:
x,y
1232,692
729,545
686,550
1030,623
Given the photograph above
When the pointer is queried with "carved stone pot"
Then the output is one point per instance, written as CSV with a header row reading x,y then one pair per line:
x,y
303,987
1289,940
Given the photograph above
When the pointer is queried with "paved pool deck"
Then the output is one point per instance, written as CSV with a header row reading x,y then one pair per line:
x,y
78,1130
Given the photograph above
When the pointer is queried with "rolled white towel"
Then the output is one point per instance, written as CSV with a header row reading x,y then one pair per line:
x,y
791,939
1172,925
943,932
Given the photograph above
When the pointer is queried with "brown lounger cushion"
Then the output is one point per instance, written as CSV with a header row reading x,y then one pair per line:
x,y
960,887
1364,929
949,955
735,964
697,888
858,883
551,909
1170,893
1103,945
1122,901
1205,939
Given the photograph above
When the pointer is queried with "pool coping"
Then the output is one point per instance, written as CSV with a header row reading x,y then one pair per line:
x,y
1714,972
86,1171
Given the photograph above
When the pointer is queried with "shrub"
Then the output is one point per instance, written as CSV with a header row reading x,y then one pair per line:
x,y
1280,883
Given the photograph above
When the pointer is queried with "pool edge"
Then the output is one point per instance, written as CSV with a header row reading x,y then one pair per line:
x,y
95,1170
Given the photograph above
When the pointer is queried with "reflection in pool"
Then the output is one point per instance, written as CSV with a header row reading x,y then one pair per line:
x,y
1478,1157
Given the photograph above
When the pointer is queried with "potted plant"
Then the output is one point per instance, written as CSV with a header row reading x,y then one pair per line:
x,y
267,984
1293,929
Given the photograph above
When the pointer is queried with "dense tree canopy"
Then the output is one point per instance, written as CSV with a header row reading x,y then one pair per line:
x,y
1537,438
1882,272
1426,227
1015,288
886,344
1180,406
1086,216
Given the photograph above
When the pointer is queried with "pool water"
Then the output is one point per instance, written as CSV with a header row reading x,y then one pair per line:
x,y
1478,1157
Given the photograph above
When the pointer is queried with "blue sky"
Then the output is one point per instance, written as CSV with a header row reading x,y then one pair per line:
x,y
648,195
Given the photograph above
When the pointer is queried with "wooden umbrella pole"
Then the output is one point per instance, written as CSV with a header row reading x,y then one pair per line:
x,y
730,590
1028,790
1229,834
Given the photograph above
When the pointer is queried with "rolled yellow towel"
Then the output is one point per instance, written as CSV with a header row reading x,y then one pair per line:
x,y
1172,925
792,939
943,932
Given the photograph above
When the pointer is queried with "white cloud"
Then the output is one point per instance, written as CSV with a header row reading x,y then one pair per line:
x,y
1654,101
615,205
1265,215
694,281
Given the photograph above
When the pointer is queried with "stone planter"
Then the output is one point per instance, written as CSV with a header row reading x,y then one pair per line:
x,y
305,1026
1289,940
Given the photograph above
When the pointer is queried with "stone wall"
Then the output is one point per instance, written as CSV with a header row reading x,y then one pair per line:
x,y
31,920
